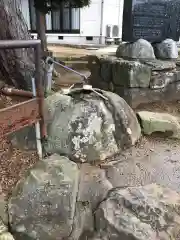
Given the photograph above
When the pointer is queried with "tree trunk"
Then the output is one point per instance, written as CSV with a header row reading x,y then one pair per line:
x,y
41,30
16,65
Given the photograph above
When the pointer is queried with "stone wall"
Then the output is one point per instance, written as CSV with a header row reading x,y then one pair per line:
x,y
137,80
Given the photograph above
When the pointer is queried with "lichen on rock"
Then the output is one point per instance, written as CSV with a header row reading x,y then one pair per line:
x,y
89,128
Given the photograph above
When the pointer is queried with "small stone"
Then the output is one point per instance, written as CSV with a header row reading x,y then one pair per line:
x,y
3,227
167,49
6,236
153,122
141,49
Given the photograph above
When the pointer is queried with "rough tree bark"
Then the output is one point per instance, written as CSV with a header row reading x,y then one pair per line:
x,y
17,65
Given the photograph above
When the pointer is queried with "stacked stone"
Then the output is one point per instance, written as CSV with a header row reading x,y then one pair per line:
x,y
83,191
140,73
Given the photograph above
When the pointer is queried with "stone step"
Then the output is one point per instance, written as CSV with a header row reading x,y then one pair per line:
x,y
64,58
74,64
77,64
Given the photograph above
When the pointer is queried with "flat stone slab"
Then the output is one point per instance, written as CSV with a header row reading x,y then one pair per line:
x,y
159,65
137,96
152,122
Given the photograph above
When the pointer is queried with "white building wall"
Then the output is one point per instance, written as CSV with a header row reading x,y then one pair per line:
x,y
90,22
113,14
90,19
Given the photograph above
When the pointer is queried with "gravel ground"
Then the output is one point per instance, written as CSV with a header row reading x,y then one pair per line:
x,y
13,162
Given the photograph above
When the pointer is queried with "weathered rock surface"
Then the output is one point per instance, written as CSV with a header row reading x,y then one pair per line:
x,y
130,74
42,205
128,172
160,65
167,49
138,82
83,222
108,69
163,79
93,186
136,96
86,127
139,213
141,49
152,160
153,122
3,209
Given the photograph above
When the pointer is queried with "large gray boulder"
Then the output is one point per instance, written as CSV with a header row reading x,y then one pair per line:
x,y
167,49
139,213
42,205
141,49
93,185
87,127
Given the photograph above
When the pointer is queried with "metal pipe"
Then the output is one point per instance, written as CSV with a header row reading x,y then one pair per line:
x,y
101,22
9,44
36,44
69,69
40,90
16,92
37,126
50,66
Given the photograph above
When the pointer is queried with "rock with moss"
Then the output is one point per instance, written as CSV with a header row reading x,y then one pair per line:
x,y
153,122
42,205
167,49
87,126
141,49
131,74
139,213
93,185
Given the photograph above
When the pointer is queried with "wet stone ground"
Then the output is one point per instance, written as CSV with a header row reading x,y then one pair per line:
x,y
152,160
